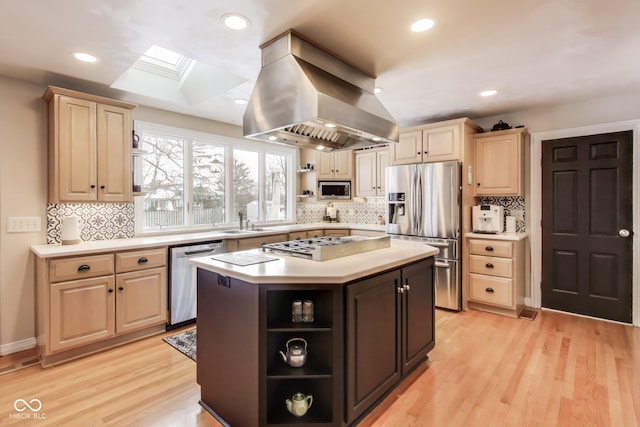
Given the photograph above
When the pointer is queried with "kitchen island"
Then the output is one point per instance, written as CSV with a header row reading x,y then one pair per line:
x,y
373,322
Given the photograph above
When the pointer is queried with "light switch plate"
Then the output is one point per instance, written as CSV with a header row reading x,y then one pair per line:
x,y
23,224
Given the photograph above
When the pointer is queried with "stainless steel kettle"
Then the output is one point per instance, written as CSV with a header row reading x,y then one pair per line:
x,y
296,354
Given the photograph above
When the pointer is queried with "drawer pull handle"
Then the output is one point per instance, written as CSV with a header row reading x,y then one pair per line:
x,y
84,267
142,260
488,265
489,249
489,290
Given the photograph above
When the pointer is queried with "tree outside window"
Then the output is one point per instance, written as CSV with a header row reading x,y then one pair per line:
x,y
205,181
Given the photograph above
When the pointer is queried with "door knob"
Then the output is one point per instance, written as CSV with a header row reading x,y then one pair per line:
x,y
624,232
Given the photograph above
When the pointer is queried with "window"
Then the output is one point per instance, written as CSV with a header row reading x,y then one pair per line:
x,y
193,180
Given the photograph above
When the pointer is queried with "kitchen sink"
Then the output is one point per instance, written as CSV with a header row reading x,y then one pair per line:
x,y
250,230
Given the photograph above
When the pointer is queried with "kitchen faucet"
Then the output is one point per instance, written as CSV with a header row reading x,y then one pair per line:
x,y
240,218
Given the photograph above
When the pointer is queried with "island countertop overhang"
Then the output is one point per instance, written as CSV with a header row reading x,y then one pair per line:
x,y
289,270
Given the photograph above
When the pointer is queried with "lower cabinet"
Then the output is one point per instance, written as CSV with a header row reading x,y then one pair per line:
x,y
390,316
141,299
365,337
87,303
82,312
337,232
497,275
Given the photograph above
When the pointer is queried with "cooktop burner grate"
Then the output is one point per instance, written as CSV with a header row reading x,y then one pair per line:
x,y
325,248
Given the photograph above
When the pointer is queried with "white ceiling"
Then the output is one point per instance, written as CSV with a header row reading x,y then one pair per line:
x,y
535,53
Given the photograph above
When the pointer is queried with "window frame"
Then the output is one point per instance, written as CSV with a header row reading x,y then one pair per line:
x,y
229,143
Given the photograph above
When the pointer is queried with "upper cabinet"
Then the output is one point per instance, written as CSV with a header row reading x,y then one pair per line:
x,y
89,147
370,165
335,165
435,142
500,162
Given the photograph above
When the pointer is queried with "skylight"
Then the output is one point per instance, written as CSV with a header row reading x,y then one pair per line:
x,y
163,62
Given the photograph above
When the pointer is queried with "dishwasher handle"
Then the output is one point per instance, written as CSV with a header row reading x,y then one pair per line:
x,y
201,252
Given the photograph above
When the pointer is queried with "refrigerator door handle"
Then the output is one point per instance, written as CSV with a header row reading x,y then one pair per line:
x,y
442,264
420,205
416,203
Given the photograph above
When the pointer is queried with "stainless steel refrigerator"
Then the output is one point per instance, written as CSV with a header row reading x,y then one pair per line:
x,y
423,203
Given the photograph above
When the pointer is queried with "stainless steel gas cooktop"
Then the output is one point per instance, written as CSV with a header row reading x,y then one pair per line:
x,y
326,248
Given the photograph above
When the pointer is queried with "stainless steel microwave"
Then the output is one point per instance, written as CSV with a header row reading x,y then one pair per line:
x,y
334,190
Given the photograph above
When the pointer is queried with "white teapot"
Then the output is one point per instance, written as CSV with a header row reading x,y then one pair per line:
x,y
299,404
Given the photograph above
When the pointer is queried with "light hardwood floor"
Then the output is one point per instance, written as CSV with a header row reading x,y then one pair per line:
x,y
486,370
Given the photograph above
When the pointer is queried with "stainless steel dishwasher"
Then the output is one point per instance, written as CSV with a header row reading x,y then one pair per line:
x,y
182,287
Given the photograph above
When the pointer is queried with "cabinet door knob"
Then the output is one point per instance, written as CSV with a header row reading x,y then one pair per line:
x,y
84,267
143,260
478,184
120,288
401,290
407,288
419,152
489,290
488,265
489,249
110,290
102,187
92,186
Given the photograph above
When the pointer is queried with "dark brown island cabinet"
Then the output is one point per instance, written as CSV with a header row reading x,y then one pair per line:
x,y
366,336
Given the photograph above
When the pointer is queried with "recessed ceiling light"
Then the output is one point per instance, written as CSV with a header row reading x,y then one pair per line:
x,y
377,90
240,101
84,57
272,138
422,25
235,21
320,147
488,92
329,125
376,138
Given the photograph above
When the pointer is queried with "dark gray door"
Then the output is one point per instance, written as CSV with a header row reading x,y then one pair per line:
x,y
587,225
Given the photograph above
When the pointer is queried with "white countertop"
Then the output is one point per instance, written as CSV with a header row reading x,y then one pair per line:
x,y
500,236
290,270
96,246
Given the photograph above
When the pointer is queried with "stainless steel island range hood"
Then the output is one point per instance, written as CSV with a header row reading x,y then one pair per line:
x,y
307,97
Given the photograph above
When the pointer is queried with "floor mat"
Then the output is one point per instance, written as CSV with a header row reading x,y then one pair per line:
x,y
185,342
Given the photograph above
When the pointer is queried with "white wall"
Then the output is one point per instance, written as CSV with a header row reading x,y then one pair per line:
x,y
23,182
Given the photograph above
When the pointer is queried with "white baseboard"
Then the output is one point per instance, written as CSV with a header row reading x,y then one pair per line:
x,y
14,347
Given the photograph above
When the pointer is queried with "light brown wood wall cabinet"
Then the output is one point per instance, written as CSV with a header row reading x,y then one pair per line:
x,y
89,147
434,142
500,162
370,166
335,165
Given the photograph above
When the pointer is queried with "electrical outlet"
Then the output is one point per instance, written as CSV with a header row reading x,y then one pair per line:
x,y
26,224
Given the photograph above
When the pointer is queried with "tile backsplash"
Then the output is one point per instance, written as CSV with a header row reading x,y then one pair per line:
x,y
103,221
367,212
351,212
509,203
98,221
